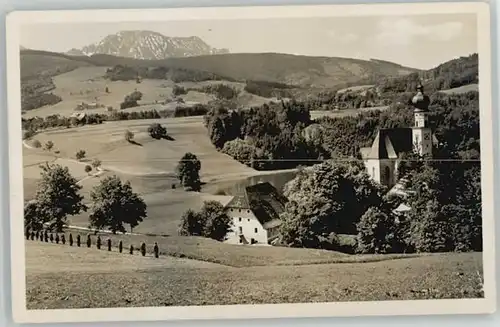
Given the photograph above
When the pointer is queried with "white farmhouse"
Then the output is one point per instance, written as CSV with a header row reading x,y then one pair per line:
x,y
248,227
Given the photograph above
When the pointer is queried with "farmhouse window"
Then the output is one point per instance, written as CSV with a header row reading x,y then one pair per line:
x,y
240,229
239,219
248,219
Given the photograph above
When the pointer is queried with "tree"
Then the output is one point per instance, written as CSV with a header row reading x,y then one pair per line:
x,y
326,198
217,222
57,197
379,232
188,172
192,224
80,155
114,204
88,169
211,222
157,131
129,136
49,145
32,219
96,163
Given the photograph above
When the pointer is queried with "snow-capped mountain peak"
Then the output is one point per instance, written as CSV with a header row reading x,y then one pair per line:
x,y
148,45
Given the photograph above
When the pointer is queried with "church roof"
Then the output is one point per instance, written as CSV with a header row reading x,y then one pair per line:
x,y
389,144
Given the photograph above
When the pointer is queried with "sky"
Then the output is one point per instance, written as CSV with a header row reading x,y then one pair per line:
x,y
419,41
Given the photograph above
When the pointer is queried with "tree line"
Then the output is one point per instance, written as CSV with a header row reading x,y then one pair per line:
x,y
278,136
178,75
265,137
33,125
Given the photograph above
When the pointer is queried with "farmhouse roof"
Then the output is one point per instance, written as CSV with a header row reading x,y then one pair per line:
x,y
265,202
239,202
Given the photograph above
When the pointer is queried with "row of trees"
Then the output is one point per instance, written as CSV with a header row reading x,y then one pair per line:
x,y
178,75
113,203
32,125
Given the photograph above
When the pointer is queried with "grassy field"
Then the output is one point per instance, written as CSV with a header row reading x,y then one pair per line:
x,y
462,89
87,84
58,277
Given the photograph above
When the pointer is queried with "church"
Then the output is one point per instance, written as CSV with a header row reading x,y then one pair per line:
x,y
382,158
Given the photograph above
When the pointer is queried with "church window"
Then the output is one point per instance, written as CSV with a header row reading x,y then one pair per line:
x,y
239,219
255,229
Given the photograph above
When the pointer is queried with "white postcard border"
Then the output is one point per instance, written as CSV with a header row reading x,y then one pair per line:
x,y
375,308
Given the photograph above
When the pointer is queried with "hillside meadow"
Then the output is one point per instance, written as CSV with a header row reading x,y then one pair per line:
x,y
102,279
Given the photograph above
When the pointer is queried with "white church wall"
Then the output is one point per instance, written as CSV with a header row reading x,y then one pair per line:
x,y
373,169
245,222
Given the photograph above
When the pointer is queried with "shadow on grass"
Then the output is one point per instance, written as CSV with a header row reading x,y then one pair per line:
x,y
134,142
164,137
168,138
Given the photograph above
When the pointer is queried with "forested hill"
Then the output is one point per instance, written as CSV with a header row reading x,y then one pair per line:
x,y
451,74
304,71
454,76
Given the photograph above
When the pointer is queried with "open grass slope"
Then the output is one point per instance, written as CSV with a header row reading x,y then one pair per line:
x,y
275,67
87,84
134,281
462,89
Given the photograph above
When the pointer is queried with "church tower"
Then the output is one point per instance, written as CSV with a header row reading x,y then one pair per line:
x,y
421,132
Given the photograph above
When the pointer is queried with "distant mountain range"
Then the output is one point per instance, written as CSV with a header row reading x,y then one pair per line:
x,y
147,45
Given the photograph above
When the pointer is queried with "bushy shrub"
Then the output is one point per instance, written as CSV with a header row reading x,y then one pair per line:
x,y
157,131
178,90
130,100
80,154
129,136
37,144
49,145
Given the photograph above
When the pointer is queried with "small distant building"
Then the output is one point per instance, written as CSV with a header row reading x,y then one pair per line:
x,y
252,224
78,116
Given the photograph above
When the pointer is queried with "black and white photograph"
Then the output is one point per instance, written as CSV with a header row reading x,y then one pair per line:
x,y
246,162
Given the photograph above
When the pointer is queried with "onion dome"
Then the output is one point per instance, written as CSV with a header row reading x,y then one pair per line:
x,y
420,101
